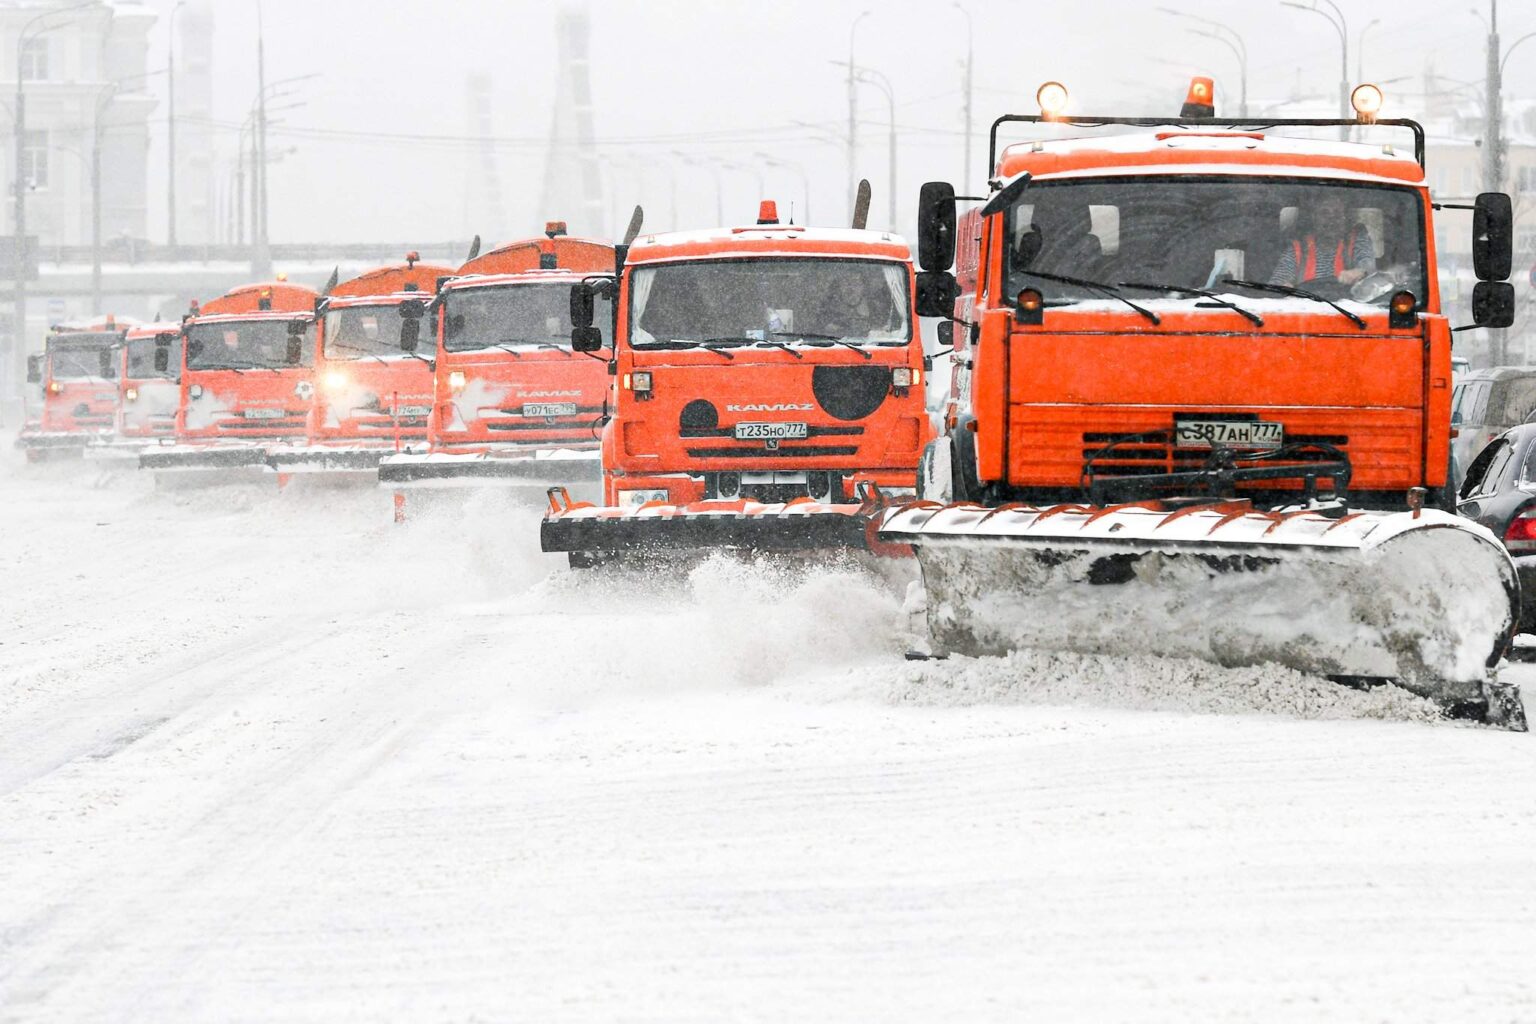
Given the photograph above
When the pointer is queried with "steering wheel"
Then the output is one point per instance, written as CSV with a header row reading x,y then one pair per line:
x,y
1373,286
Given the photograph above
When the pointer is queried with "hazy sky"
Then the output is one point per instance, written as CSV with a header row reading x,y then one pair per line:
x,y
729,78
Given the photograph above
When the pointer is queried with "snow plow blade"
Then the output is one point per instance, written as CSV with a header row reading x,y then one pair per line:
x,y
195,458
593,533
1425,599
321,459
541,469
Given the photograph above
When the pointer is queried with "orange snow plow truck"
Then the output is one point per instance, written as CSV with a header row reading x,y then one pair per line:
x,y
1200,405
247,380
769,392
77,371
513,405
373,390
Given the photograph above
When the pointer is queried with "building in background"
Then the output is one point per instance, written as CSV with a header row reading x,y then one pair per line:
x,y
197,211
88,81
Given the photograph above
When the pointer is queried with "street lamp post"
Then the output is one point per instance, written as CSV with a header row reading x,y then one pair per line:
x,y
1341,26
170,125
853,117
882,83
970,67
1360,49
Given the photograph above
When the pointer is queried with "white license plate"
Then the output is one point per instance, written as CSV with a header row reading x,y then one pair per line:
x,y
263,414
412,410
770,431
1227,433
544,410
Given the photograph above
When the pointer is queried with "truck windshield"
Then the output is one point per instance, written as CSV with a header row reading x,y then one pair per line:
x,y
141,359
246,344
1358,242
78,356
514,316
769,299
358,332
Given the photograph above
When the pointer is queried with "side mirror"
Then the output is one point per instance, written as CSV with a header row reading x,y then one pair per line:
x,y
936,293
936,226
413,309
1493,304
1493,236
34,369
410,334
581,308
194,348
295,353
946,333
104,359
586,339
162,358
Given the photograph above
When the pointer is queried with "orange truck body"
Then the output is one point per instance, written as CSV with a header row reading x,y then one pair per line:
x,y
371,395
148,398
508,390
687,438
247,379
1030,403
77,374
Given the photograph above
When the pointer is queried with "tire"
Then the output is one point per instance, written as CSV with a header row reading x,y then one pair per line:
x,y
966,485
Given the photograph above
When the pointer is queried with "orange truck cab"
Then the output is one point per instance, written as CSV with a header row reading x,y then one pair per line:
x,y
373,389
77,372
756,367
513,404
1137,315
247,379
148,390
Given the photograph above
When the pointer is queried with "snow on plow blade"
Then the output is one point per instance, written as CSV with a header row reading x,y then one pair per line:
x,y
523,469
328,459
596,531
1423,598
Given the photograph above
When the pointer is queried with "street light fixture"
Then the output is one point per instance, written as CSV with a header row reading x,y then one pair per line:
x,y
853,117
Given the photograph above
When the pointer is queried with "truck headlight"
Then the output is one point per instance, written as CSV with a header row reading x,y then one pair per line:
x,y
639,381
905,377
196,391
456,381
132,394
335,380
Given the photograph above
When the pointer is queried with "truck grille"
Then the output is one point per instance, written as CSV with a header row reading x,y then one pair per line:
x,y
1153,454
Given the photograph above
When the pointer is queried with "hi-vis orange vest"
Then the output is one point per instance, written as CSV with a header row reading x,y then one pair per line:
x,y
1307,271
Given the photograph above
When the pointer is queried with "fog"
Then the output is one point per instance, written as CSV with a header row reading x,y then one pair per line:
x,y
383,147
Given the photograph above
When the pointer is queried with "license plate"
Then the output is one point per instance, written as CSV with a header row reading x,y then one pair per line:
x,y
770,431
412,410
1227,433
544,410
263,414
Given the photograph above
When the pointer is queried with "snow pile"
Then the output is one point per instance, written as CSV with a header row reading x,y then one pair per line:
x,y
1039,678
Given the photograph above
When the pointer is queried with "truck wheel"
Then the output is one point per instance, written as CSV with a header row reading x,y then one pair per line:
x,y
967,487
935,475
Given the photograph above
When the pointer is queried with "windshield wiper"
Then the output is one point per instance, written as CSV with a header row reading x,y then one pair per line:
x,y
1098,286
359,351
1246,314
834,339
717,345
1285,289
781,345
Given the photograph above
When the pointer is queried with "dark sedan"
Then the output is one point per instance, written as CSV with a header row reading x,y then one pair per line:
x,y
1499,491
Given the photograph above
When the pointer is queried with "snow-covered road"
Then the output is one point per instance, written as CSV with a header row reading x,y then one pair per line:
x,y
268,756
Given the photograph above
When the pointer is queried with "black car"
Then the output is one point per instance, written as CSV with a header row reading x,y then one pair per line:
x,y
1499,492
